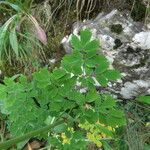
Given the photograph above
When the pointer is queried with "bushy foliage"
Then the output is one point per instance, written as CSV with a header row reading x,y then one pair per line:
x,y
20,34
69,92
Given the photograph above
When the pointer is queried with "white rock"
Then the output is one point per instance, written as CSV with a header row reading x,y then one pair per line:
x,y
131,90
107,42
142,39
142,84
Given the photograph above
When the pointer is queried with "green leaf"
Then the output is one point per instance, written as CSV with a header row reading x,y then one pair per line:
x,y
102,80
102,63
49,120
104,130
92,96
68,86
4,38
115,121
68,104
112,75
106,146
92,46
23,79
144,99
85,36
55,106
3,33
117,113
77,97
146,147
53,92
14,41
108,103
87,83
90,54
75,42
72,63
59,73
42,78
91,116
60,128
100,59
90,62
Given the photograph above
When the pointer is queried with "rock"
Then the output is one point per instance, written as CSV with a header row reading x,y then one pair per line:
x,y
126,45
135,88
142,39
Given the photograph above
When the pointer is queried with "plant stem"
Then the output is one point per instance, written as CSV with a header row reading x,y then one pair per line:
x,y
7,144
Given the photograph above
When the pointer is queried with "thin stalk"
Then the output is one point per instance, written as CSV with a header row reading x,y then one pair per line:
x,y
7,144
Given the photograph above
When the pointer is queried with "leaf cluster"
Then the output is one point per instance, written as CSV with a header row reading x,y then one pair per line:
x,y
49,96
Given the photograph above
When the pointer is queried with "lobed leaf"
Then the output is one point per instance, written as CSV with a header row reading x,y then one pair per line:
x,y
85,36
76,42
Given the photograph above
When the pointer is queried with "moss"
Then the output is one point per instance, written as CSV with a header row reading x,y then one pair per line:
x,y
116,28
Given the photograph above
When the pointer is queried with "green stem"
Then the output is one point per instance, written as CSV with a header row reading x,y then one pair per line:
x,y
7,144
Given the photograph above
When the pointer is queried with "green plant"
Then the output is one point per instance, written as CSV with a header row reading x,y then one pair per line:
x,y
49,97
135,135
144,99
20,34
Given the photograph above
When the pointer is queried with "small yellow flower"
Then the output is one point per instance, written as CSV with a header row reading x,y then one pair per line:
x,y
110,128
71,130
90,136
99,144
65,139
95,139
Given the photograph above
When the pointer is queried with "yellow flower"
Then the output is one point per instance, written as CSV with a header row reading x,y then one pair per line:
x,y
95,139
99,144
110,128
65,139
71,130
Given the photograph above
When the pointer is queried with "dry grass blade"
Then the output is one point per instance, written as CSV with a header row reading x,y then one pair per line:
x,y
41,35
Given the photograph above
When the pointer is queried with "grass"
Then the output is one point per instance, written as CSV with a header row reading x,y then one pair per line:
x,y
20,36
147,14
136,133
